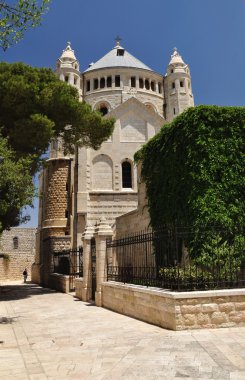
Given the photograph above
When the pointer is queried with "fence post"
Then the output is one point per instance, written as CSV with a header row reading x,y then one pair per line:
x,y
87,285
102,232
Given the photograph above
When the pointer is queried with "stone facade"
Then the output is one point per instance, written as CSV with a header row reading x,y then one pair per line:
x,y
77,191
136,220
176,311
18,247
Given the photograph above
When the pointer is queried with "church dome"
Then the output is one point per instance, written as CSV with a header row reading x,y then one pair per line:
x,y
118,57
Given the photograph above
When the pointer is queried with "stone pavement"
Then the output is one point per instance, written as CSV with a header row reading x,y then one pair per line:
x,y
50,335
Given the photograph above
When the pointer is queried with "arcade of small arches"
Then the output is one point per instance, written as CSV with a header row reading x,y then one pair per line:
x,y
102,173
182,83
71,78
117,82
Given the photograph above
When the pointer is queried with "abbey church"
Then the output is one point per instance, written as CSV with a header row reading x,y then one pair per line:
x,y
76,191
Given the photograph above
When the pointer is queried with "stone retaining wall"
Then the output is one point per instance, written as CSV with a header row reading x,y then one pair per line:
x,y
176,311
79,287
60,282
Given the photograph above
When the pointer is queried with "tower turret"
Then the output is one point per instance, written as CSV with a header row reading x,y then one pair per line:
x,y
67,68
177,87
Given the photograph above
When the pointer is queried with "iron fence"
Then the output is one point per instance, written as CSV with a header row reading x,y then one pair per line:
x,y
68,262
179,258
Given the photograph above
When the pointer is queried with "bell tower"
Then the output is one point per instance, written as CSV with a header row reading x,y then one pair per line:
x,y
67,68
178,89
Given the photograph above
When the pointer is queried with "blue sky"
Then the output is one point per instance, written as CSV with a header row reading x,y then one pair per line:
x,y
209,34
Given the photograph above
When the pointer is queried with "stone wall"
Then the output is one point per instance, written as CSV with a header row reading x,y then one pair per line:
x,y
79,287
50,245
56,192
110,205
176,311
60,282
136,220
19,245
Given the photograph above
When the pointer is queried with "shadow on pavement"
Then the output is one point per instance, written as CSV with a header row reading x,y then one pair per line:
x,y
10,292
7,320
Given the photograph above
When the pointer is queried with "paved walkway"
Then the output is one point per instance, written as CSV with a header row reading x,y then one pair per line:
x,y
50,335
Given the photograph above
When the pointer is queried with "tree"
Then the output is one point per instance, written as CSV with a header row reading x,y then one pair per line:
x,y
17,16
16,187
194,172
35,106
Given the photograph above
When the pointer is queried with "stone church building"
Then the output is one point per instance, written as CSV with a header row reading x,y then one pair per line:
x,y
76,191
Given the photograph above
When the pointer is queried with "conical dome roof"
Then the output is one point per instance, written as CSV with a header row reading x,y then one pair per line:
x,y
68,53
176,58
118,57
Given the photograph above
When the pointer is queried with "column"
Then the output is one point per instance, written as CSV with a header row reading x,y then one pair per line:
x,y
102,232
87,279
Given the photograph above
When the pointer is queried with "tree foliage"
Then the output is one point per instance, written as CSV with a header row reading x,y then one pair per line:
x,y
17,16
194,168
16,187
194,171
35,106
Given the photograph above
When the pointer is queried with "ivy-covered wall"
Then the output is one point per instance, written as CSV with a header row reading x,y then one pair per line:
x,y
194,168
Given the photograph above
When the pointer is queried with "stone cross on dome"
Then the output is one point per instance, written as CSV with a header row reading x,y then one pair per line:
x,y
175,51
118,40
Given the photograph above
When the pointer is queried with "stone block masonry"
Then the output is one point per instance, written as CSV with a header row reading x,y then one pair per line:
x,y
17,248
56,196
176,311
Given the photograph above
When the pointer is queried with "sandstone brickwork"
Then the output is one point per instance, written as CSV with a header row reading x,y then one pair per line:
x,y
56,194
176,311
18,247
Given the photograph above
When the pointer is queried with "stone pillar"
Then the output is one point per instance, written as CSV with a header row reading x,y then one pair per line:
x,y
87,280
102,232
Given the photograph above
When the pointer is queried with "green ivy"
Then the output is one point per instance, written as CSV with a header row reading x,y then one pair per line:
x,y
194,170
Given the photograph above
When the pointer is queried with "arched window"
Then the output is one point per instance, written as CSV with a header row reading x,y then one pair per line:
x,y
153,86
96,84
147,84
109,82
16,242
126,175
141,83
102,83
103,110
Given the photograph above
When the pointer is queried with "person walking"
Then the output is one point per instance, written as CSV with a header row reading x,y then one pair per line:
x,y
25,274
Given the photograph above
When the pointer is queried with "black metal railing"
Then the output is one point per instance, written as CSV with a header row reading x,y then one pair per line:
x,y
68,262
179,258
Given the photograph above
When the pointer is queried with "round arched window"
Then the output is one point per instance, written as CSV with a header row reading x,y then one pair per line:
x,y
126,175
103,110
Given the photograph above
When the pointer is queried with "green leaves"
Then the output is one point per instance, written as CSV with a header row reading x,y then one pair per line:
x,y
16,187
194,168
36,106
18,16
